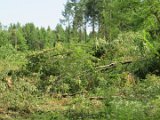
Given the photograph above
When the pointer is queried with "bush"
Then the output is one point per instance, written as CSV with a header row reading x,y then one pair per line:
x,y
63,69
17,95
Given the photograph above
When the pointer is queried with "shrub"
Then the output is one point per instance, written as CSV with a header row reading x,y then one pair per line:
x,y
63,69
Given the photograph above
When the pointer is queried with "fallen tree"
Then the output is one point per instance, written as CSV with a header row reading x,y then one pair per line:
x,y
113,65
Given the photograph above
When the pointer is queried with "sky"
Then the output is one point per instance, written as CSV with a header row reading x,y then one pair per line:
x,y
40,12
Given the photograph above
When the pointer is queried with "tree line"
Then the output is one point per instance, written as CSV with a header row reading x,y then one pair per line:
x,y
30,37
107,18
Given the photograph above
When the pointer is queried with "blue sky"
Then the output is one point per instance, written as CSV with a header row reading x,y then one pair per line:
x,y
40,12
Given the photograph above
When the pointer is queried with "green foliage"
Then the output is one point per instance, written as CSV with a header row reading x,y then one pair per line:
x,y
113,72
6,51
17,95
63,69
124,110
4,38
129,45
